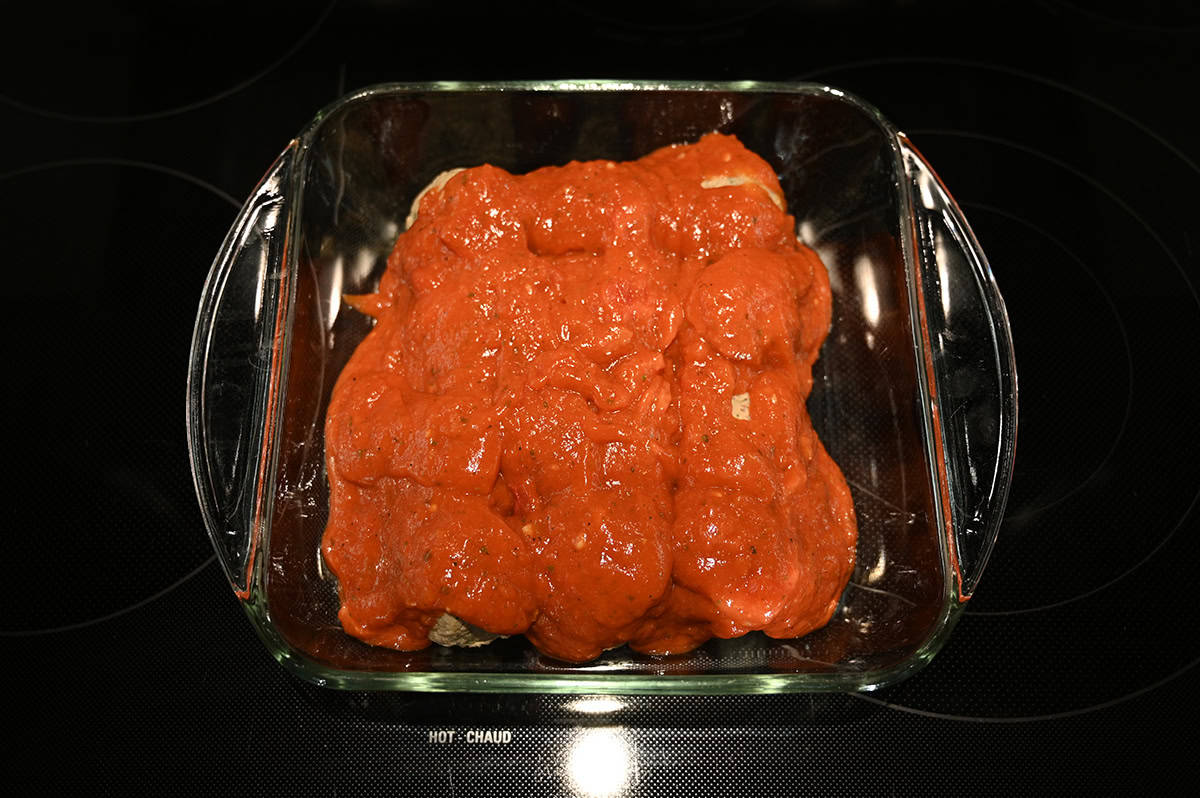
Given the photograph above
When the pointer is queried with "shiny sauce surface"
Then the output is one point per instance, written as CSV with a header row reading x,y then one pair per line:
x,y
580,415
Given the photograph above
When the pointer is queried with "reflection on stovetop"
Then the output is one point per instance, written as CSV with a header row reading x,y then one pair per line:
x,y
497,710
1057,126
98,322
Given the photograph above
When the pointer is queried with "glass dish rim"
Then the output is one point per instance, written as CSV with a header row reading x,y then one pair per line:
x,y
254,601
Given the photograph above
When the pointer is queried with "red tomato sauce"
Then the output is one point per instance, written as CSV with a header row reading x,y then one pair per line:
x,y
580,415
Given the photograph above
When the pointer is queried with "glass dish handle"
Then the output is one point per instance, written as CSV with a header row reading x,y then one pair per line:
x,y
232,373
973,390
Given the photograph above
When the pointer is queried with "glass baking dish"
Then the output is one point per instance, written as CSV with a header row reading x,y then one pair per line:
x,y
915,390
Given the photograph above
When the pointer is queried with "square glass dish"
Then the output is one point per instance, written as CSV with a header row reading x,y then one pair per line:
x,y
914,392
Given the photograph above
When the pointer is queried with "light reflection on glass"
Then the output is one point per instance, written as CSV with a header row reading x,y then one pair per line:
x,y
726,111
264,229
260,285
828,256
925,185
864,274
270,217
390,230
596,705
806,232
878,569
600,762
945,252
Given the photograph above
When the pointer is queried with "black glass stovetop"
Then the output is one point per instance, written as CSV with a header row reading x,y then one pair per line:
x,y
133,133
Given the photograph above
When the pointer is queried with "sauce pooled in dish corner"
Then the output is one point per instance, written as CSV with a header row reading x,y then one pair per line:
x,y
580,415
